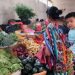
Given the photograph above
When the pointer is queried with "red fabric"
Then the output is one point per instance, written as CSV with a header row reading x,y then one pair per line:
x,y
13,23
21,26
38,27
63,37
42,57
46,22
26,29
19,23
39,39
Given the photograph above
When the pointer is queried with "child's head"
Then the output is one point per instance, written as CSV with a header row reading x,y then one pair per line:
x,y
70,19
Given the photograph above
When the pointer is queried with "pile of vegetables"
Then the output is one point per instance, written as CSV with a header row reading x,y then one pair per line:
x,y
7,39
31,65
8,63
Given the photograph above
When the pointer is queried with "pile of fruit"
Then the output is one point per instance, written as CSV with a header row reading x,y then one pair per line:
x,y
8,63
19,50
31,46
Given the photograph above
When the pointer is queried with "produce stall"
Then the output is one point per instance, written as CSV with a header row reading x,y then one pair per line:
x,y
15,52
8,63
19,55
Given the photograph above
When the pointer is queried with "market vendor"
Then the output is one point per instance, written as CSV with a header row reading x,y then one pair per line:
x,y
30,33
54,38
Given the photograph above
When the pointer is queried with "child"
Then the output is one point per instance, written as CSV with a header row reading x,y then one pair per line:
x,y
70,19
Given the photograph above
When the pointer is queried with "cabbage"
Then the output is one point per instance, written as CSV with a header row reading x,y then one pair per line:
x,y
4,71
15,67
8,63
8,39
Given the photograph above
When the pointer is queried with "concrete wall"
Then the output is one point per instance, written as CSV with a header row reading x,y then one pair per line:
x,y
69,5
7,9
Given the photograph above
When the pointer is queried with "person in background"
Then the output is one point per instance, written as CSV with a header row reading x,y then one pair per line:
x,y
53,15
52,36
38,27
49,55
63,28
70,19
63,25
54,18
33,25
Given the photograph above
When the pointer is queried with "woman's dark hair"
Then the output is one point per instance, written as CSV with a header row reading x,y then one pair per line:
x,y
69,15
54,12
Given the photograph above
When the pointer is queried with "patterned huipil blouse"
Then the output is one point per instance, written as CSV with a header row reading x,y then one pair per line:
x,y
54,40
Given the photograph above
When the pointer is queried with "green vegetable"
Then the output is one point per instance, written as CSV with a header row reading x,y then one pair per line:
x,y
15,60
8,39
8,63
15,67
4,71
